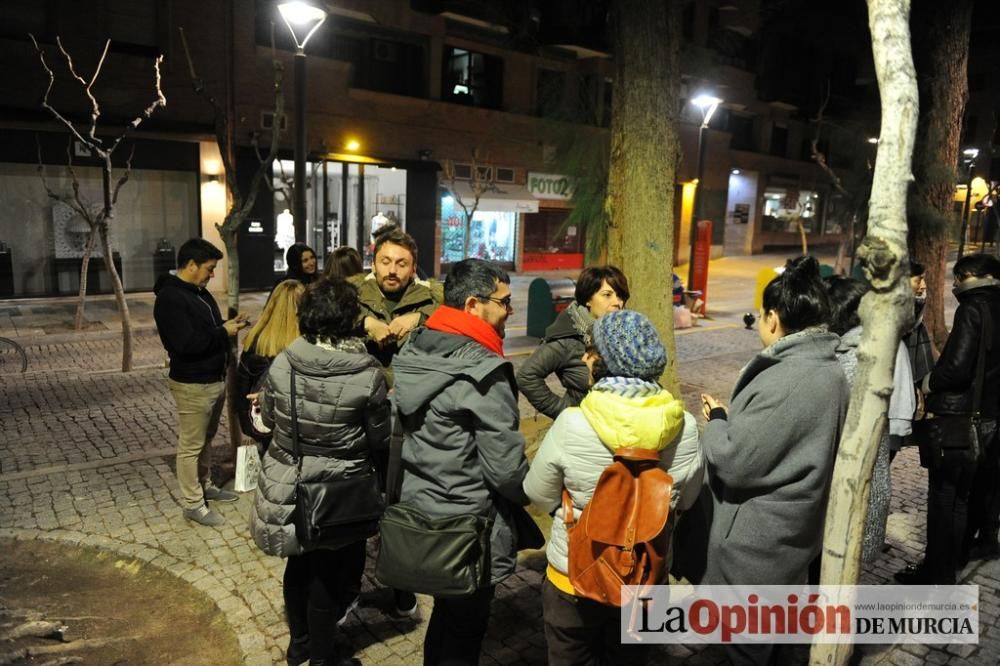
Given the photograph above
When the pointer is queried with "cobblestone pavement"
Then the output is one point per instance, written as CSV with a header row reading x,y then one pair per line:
x,y
87,457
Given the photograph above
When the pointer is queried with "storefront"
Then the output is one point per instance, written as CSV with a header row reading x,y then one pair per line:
x,y
492,232
42,242
791,213
550,243
347,198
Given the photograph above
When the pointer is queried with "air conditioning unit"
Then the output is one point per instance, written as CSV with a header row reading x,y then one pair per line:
x,y
267,121
505,175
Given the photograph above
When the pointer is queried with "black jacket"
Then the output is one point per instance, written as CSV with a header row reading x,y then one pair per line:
x,y
561,352
951,381
250,374
190,327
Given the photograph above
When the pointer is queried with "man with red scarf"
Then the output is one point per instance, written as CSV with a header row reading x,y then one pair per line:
x,y
462,452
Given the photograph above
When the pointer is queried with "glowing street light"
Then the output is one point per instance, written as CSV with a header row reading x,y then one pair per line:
x,y
303,20
708,104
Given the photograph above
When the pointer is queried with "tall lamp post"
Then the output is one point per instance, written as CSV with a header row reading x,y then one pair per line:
x,y
971,154
302,20
707,104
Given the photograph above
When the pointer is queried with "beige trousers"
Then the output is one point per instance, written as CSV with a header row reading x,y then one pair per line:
x,y
199,408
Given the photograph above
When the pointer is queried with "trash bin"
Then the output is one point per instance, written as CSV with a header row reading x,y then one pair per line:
x,y
164,259
546,299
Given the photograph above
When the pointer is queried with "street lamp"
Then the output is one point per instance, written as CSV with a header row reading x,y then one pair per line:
x,y
302,20
970,154
707,104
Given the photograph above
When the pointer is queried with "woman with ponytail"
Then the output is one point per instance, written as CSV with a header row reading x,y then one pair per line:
x,y
770,455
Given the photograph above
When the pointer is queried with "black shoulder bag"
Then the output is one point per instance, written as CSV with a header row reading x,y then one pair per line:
x,y
443,557
956,432
332,513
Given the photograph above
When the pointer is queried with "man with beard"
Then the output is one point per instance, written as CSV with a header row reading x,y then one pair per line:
x,y
393,301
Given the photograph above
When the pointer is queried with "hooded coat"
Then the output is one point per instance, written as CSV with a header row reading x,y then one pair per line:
x,y
770,464
580,445
343,417
561,352
462,452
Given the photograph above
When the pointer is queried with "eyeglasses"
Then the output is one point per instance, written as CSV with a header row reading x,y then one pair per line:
x,y
502,302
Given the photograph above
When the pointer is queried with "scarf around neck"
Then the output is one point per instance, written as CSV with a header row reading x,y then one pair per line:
x,y
629,387
459,322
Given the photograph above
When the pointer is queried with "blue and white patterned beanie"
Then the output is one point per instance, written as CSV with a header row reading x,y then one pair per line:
x,y
629,345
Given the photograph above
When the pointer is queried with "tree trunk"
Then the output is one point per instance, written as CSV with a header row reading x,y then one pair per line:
x,y
941,39
84,270
644,154
116,285
109,262
886,311
229,230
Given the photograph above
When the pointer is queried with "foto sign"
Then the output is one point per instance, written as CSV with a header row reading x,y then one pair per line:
x,y
549,185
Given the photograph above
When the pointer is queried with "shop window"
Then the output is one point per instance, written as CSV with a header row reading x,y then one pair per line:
x,y
474,79
787,207
492,234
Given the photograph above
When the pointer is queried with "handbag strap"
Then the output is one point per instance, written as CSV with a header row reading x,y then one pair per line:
x,y
296,449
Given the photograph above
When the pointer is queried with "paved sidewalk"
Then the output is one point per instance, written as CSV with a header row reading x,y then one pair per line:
x,y
87,457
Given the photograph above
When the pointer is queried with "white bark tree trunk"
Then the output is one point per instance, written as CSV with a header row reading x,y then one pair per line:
x,y
886,311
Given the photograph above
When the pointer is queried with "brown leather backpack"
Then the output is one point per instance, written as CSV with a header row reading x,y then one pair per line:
x,y
622,536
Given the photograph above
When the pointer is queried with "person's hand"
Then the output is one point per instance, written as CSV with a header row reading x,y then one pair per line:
x,y
379,331
254,398
708,403
402,325
236,324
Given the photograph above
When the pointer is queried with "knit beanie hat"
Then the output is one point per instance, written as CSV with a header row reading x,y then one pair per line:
x,y
629,345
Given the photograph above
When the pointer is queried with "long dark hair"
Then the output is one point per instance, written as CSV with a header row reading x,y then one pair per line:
x,y
293,259
845,296
798,296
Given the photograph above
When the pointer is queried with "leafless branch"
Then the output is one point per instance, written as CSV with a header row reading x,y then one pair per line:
x,y
817,155
160,100
196,81
45,100
95,109
124,177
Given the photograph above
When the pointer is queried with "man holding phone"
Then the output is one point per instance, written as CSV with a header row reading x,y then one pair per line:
x,y
197,341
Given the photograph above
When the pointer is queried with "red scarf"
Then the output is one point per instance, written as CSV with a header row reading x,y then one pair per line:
x,y
459,322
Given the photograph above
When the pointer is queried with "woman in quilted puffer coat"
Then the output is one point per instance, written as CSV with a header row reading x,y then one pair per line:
x,y
343,418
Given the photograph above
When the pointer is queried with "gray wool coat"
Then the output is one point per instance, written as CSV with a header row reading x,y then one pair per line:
x,y
771,463
343,413
462,452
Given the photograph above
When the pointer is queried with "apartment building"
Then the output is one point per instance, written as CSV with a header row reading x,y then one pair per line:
x,y
415,111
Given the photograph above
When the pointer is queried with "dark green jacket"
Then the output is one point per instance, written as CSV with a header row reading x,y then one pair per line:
x,y
421,296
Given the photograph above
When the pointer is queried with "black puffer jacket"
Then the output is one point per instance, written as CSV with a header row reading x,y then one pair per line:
x,y
561,352
951,381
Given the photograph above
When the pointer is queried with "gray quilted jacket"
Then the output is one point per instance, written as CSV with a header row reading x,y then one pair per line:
x,y
342,410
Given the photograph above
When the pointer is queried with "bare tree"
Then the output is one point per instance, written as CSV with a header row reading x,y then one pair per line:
x,y
644,156
240,203
482,179
103,149
886,310
83,208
